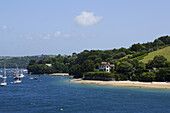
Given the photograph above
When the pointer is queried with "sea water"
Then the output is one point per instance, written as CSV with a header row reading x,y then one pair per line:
x,y
54,94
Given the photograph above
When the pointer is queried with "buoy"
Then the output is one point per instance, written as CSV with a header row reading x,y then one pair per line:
x,y
61,109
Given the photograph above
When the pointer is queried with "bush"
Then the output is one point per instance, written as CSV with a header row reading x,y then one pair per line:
x,y
120,76
98,74
147,77
163,74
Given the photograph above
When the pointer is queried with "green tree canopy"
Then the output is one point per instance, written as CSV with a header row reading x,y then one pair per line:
x,y
87,66
159,61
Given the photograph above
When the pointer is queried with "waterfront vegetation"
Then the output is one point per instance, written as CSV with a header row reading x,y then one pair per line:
x,y
99,74
128,62
21,62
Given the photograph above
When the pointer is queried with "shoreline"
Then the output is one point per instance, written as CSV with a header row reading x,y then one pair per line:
x,y
65,74
56,74
157,85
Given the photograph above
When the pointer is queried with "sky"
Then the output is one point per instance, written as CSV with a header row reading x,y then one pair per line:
x,y
51,27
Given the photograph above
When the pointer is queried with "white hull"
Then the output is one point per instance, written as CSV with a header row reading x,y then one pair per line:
x,y
21,76
17,81
4,77
3,84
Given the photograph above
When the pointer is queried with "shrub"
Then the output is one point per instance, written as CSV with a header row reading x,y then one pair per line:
x,y
147,77
98,74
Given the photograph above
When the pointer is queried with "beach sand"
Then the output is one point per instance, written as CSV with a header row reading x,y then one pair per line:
x,y
160,85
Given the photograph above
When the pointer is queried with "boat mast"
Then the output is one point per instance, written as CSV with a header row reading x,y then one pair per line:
x,y
4,72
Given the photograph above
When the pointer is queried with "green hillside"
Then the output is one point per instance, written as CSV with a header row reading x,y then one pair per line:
x,y
21,62
165,52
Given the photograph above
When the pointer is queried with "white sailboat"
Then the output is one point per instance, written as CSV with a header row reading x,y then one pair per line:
x,y
21,75
4,83
17,77
1,76
18,81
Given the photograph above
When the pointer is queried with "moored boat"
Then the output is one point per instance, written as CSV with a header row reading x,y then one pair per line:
x,y
4,83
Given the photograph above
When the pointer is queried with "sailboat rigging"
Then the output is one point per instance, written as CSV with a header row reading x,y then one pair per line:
x,y
4,83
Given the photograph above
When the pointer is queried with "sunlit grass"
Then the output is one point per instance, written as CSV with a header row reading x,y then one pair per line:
x,y
165,52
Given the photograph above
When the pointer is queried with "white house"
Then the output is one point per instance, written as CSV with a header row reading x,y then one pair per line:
x,y
106,66
48,65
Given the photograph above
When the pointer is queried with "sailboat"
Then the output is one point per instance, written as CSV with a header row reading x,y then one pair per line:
x,y
4,83
1,76
17,77
18,80
21,75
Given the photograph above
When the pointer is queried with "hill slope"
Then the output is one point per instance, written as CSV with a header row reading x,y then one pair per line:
x,y
22,62
165,52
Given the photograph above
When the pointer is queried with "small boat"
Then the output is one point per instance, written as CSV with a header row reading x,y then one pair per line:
x,y
1,76
4,83
17,81
4,77
31,78
17,75
35,78
25,71
21,75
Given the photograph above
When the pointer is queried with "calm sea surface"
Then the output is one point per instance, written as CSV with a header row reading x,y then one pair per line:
x,y
51,94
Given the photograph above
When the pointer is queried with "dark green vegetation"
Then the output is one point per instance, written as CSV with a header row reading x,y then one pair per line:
x,y
128,65
21,62
98,76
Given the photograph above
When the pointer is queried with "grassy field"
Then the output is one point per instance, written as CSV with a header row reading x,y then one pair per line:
x,y
165,52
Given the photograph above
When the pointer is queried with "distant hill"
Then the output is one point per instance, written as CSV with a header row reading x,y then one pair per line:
x,y
165,52
21,62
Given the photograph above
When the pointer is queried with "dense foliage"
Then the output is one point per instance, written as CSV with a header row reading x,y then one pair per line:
x,y
126,61
99,74
21,62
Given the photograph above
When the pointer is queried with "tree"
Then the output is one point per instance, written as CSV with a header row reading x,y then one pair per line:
x,y
75,70
163,74
140,67
87,66
119,55
159,61
158,42
147,77
136,47
125,67
60,67
165,39
32,62
98,60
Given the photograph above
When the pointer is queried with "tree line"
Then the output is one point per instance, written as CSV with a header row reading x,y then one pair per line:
x,y
126,61
21,62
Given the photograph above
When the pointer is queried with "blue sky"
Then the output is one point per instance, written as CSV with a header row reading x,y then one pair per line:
x,y
35,27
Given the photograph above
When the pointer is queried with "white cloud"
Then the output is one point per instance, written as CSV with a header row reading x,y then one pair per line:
x,y
4,28
27,36
87,18
57,34
45,36
66,35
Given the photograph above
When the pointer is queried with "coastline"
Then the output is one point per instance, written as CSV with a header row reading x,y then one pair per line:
x,y
158,85
65,74
56,74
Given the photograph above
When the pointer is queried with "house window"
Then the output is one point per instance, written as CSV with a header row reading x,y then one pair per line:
x,y
107,66
107,70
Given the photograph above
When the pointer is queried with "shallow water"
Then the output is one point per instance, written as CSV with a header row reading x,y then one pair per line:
x,y
50,94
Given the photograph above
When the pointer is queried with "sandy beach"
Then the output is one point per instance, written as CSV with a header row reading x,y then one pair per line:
x,y
160,85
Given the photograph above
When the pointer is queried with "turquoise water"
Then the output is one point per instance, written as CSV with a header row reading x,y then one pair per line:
x,y
49,94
